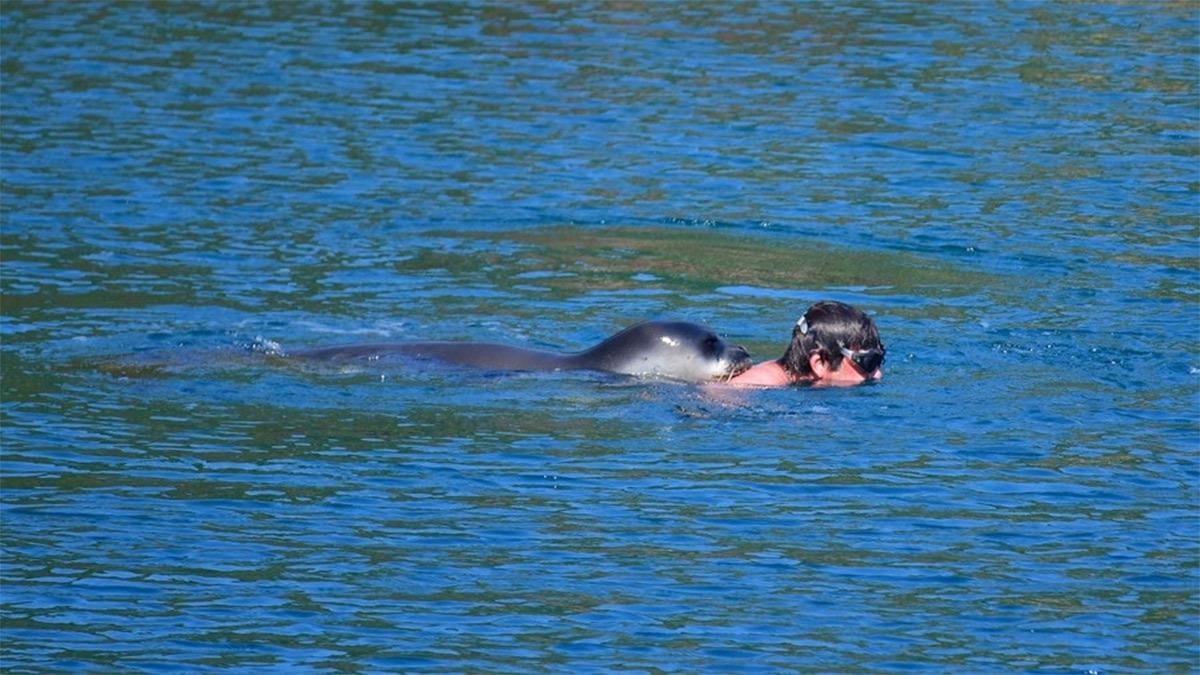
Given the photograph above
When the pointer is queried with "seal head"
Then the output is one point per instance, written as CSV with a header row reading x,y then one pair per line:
x,y
678,350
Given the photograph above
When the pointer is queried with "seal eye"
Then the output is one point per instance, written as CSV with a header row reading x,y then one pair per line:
x,y
712,343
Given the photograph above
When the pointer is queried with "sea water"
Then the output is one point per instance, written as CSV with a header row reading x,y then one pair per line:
x,y
189,190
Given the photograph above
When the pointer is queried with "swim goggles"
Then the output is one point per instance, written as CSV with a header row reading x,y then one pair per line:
x,y
866,360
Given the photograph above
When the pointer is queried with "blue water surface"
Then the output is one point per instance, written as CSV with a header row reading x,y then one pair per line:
x,y
190,190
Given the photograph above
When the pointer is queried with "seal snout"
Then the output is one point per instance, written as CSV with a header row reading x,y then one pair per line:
x,y
739,360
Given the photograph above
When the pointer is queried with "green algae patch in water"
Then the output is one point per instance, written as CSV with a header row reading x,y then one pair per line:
x,y
572,259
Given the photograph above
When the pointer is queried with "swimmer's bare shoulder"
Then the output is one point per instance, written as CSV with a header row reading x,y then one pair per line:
x,y
765,374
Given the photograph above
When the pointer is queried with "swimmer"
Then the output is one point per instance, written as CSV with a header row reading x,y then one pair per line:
x,y
833,344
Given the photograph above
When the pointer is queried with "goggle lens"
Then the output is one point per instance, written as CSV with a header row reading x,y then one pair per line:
x,y
867,360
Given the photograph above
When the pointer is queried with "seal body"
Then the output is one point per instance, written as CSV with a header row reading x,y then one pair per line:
x,y
678,350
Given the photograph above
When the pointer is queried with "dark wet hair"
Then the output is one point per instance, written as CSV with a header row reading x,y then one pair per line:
x,y
822,327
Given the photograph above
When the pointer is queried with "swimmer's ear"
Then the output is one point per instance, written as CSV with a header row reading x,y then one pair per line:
x,y
818,365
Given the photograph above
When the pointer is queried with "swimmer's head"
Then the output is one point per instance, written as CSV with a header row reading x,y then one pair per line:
x,y
832,331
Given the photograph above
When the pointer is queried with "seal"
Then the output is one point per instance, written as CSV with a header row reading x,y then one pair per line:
x,y
677,350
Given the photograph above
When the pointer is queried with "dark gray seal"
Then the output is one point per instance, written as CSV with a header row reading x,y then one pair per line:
x,y
677,350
